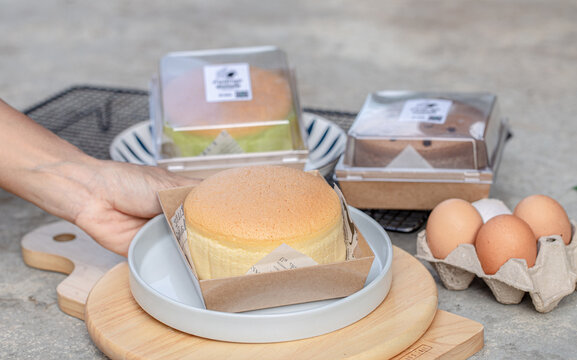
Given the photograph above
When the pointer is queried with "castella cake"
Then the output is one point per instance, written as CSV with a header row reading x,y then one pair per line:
x,y
237,216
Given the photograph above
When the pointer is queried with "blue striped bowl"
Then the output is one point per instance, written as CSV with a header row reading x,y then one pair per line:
x,y
326,142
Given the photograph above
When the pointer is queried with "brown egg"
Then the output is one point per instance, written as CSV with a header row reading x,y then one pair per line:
x,y
502,238
545,216
451,223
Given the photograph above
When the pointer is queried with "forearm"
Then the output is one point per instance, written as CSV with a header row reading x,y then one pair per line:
x,y
109,200
40,167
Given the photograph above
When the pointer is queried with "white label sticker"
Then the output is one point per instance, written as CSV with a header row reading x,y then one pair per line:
x,y
227,82
432,111
179,226
282,258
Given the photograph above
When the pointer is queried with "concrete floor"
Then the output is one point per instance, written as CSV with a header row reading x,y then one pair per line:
x,y
524,51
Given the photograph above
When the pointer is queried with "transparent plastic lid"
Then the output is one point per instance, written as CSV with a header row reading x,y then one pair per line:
x,y
214,103
418,135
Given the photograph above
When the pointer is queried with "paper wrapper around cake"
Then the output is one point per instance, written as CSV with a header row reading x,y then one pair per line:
x,y
553,276
270,289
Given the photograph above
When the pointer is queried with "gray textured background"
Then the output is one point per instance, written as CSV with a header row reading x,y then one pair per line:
x,y
524,51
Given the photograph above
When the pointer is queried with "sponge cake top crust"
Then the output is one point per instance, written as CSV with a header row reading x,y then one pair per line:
x,y
262,204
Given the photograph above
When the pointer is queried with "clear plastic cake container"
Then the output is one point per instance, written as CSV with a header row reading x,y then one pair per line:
x,y
216,109
412,150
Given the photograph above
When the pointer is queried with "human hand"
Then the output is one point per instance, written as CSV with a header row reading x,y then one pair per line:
x,y
119,199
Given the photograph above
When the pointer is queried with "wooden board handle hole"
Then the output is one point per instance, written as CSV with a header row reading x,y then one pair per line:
x,y
64,237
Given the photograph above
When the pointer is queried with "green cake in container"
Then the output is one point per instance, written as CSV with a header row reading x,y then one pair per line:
x,y
218,109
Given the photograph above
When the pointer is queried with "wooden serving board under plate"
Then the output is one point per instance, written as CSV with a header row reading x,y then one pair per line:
x,y
407,325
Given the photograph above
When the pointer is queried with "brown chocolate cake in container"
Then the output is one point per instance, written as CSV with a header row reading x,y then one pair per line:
x,y
411,150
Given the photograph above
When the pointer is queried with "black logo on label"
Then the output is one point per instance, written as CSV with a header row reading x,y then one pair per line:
x,y
226,73
227,79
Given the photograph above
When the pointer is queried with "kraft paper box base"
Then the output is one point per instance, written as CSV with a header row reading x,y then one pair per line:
x,y
407,195
286,287
553,276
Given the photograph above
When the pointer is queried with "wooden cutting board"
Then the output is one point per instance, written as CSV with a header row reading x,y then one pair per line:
x,y
407,325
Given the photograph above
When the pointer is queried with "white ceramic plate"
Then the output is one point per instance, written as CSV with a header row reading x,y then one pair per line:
x,y
326,142
165,289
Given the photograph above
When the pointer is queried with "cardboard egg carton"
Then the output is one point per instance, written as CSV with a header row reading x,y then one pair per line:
x,y
553,276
